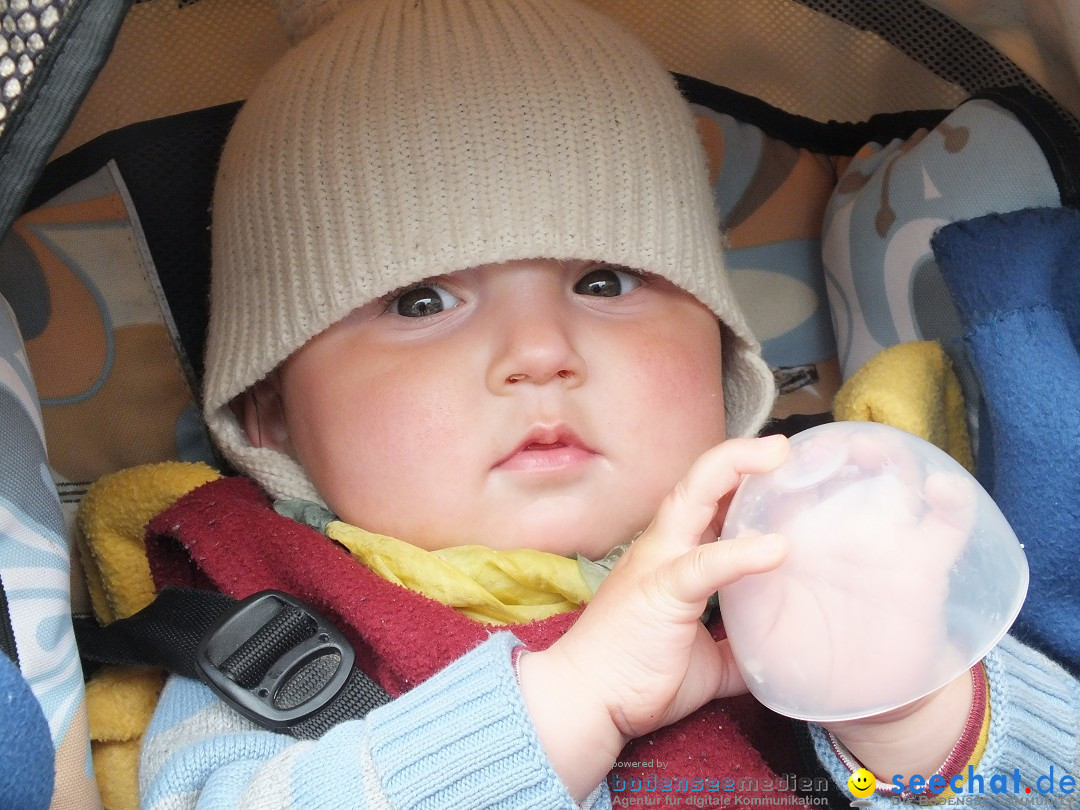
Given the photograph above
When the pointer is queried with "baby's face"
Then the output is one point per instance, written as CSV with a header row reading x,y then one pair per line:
x,y
535,404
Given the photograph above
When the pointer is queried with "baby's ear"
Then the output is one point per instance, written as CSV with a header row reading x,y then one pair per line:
x,y
262,416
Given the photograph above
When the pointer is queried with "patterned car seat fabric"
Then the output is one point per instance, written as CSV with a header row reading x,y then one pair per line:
x,y
841,134
41,695
50,53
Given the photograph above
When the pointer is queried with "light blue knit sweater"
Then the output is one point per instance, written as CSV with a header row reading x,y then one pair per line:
x,y
1034,724
463,739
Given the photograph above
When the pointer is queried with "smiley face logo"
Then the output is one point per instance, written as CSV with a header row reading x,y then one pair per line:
x,y
862,783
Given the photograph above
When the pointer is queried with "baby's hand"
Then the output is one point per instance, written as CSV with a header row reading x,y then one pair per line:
x,y
639,658
856,616
855,619
917,737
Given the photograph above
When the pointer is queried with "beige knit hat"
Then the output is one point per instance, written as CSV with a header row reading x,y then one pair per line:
x,y
411,138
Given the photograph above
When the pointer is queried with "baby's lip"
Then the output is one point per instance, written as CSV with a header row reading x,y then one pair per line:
x,y
547,437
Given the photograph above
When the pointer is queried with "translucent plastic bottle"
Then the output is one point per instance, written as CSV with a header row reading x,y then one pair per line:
x,y
901,574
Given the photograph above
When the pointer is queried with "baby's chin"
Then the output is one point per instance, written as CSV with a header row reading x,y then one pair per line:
x,y
589,527
567,528
593,545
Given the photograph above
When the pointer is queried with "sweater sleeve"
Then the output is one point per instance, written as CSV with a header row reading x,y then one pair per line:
x,y
1034,732
461,739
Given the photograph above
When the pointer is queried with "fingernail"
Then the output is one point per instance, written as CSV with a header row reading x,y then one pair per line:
x,y
769,545
774,440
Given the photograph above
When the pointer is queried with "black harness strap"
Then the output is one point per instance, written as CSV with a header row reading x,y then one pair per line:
x,y
271,657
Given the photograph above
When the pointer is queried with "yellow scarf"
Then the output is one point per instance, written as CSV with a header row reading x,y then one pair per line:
x,y
495,587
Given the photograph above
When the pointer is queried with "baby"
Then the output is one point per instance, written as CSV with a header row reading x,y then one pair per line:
x,y
468,289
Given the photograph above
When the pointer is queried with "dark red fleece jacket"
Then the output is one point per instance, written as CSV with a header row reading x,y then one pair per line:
x,y
225,535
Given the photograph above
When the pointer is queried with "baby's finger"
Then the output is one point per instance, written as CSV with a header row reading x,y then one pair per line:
x,y
687,512
886,452
953,503
703,570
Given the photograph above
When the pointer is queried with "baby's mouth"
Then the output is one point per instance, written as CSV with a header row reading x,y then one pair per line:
x,y
547,449
543,446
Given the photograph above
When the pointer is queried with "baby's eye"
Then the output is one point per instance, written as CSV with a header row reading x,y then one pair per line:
x,y
607,282
419,302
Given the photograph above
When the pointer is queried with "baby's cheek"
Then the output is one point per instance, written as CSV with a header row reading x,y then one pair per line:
x,y
679,415
409,436
684,382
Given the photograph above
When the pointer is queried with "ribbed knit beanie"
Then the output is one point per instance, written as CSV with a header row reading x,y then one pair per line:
x,y
406,139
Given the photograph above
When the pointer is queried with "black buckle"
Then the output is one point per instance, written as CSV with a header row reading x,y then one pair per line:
x,y
274,659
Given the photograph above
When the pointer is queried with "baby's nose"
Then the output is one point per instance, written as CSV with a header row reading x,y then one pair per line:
x,y
535,348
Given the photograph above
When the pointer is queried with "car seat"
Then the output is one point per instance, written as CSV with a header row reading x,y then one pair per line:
x,y
842,135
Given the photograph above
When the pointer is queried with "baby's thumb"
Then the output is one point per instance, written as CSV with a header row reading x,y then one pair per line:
x,y
730,681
